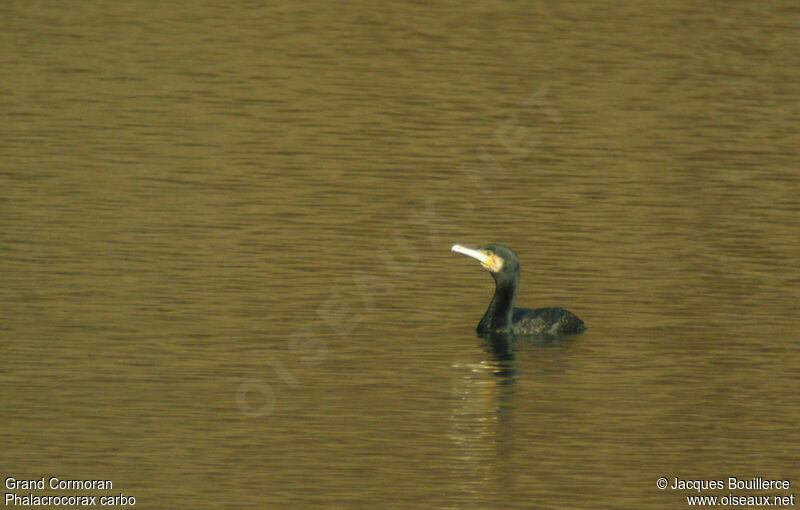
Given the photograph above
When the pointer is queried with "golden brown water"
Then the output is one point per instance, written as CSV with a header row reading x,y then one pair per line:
x,y
226,279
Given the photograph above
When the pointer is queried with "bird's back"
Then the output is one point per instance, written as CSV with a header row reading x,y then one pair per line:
x,y
545,321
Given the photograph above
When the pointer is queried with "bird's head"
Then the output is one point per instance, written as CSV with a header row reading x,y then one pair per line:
x,y
498,259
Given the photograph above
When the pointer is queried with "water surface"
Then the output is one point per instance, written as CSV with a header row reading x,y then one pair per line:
x,y
226,277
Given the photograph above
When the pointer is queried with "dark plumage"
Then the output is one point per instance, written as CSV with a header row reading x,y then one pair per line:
x,y
501,316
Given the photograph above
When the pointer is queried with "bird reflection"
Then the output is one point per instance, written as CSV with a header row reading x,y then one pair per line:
x,y
501,345
483,419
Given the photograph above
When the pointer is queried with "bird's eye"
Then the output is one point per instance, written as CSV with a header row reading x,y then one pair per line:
x,y
490,253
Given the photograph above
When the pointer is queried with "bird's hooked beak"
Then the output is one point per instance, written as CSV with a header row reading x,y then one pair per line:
x,y
488,260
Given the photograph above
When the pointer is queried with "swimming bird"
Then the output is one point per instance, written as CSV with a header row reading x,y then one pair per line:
x,y
501,316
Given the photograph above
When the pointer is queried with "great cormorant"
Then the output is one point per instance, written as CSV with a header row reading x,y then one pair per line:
x,y
501,316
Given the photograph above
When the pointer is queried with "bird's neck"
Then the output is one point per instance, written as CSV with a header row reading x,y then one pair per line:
x,y
498,315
